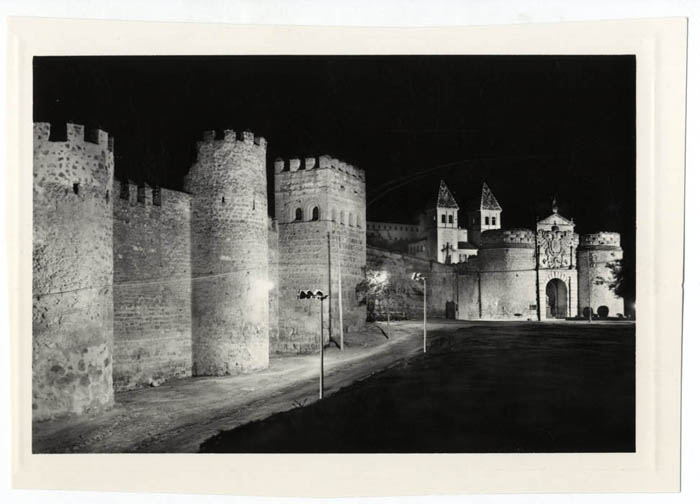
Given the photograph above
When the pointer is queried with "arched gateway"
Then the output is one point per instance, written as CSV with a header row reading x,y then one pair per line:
x,y
557,300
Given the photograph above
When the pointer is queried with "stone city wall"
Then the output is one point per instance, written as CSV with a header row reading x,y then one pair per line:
x,y
405,296
152,279
72,272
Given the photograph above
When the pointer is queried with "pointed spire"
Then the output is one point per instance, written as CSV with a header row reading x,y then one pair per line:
x,y
445,198
488,200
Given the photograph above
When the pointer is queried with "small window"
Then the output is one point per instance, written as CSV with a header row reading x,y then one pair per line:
x,y
333,215
451,220
349,218
442,218
76,188
314,214
141,194
342,216
493,221
486,221
298,214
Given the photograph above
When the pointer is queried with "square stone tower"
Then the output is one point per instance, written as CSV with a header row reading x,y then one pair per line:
x,y
484,215
320,212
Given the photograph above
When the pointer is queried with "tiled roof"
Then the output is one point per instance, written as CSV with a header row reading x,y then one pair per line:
x,y
488,200
445,198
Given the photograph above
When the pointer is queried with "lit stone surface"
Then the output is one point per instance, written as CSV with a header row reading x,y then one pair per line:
x,y
152,294
337,190
72,280
229,223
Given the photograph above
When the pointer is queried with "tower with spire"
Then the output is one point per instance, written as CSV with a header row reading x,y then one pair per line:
x,y
484,214
443,234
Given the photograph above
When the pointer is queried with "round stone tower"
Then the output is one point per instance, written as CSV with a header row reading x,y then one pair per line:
x,y
506,278
230,282
599,255
72,271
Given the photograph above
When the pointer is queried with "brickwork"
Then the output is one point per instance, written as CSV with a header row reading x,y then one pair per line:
x,y
152,278
229,225
72,281
315,197
597,256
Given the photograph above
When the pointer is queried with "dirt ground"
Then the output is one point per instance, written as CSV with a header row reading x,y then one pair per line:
x,y
489,387
181,414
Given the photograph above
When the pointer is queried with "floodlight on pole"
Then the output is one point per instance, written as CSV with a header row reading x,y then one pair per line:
x,y
419,277
320,295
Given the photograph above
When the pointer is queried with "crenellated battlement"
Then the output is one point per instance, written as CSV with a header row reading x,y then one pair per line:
x,y
80,162
601,239
142,194
505,238
76,134
215,137
317,163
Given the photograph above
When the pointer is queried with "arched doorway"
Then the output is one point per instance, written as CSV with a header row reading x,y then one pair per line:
x,y
556,299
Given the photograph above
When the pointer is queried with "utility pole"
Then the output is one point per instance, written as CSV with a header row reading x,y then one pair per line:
x,y
537,272
588,279
425,318
320,354
330,291
340,292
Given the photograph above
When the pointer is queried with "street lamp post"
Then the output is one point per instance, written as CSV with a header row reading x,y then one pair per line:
x,y
418,276
320,295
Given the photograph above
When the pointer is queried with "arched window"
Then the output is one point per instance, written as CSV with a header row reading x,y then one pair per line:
x,y
442,218
349,218
333,215
451,219
493,221
314,213
342,216
298,214
486,221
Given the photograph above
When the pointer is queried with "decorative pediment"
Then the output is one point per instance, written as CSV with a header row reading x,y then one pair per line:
x,y
555,220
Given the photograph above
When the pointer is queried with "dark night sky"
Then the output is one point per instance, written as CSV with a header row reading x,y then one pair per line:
x,y
532,127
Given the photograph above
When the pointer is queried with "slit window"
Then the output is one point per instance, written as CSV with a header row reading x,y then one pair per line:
x,y
157,196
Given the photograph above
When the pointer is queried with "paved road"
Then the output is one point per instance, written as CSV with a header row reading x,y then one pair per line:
x,y
178,416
